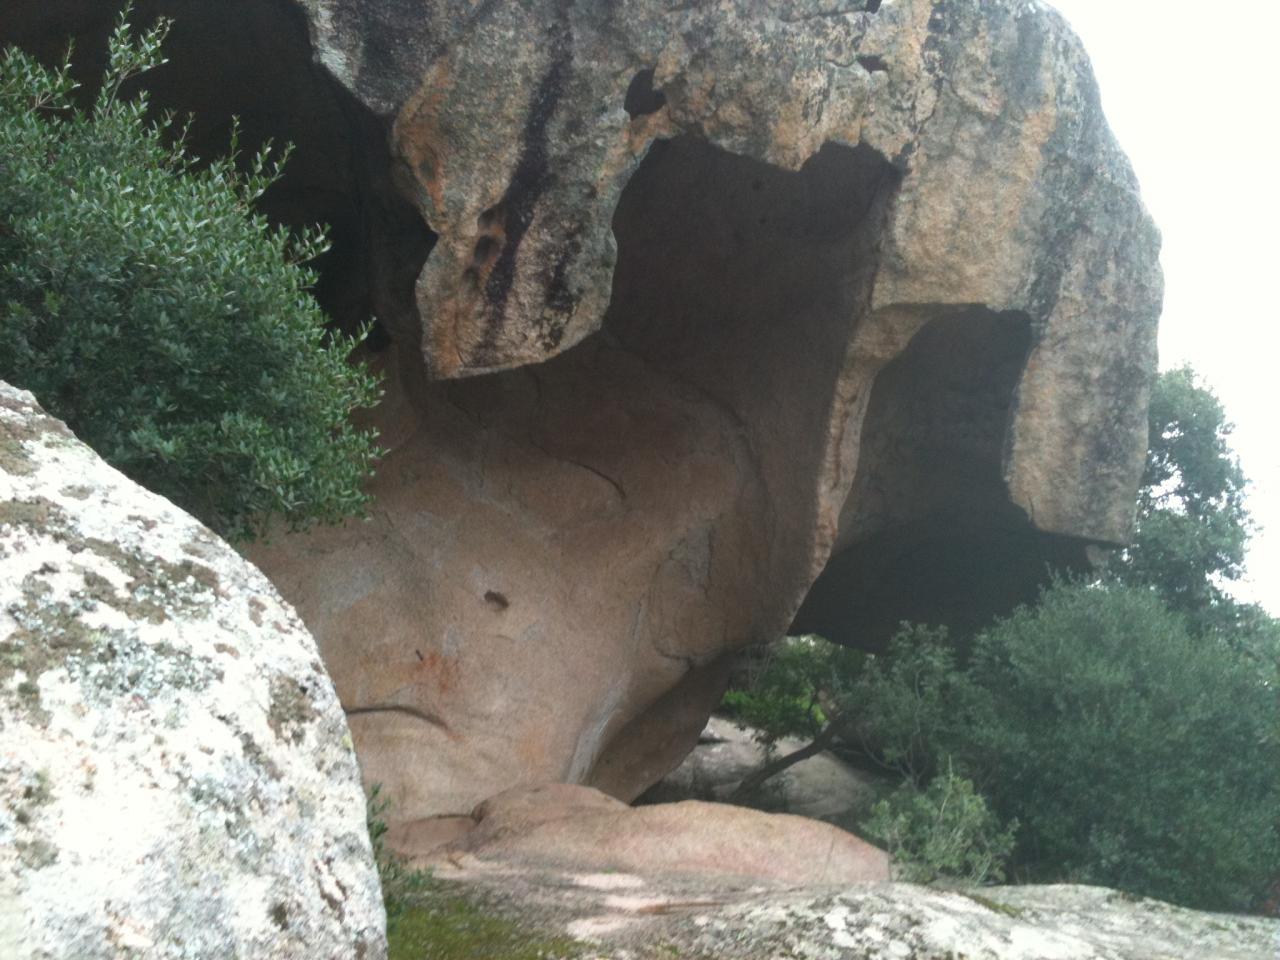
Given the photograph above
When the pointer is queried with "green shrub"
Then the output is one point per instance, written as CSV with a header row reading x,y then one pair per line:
x,y
1135,754
1192,522
944,830
145,303
913,704
788,686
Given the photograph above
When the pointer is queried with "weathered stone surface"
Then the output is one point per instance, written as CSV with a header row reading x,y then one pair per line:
x,y
622,916
741,293
176,775
560,826
779,280
520,124
821,786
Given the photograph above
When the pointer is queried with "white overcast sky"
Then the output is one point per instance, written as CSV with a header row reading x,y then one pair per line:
x,y
1192,91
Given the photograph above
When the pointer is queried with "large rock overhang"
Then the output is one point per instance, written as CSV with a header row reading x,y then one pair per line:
x,y
681,307
517,144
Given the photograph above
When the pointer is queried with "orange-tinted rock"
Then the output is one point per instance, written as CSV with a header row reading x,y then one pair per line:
x,y
578,829
749,287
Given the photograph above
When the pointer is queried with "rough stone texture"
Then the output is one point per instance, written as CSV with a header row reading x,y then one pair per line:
x,y
767,281
773,289
176,776
621,916
821,786
518,142
559,826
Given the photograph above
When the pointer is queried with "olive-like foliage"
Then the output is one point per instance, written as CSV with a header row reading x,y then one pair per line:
x,y
144,301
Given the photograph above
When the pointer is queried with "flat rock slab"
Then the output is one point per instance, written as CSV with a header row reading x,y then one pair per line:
x,y
707,880
564,827
621,916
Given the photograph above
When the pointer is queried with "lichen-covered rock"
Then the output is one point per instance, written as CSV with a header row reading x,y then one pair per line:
x,y
902,922
176,776
629,916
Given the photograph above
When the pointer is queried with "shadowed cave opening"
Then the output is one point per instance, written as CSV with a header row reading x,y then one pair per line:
x,y
928,533
746,281
252,60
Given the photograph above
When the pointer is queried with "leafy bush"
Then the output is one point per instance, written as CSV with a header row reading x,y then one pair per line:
x,y
146,304
1135,754
788,686
913,704
1192,523
945,830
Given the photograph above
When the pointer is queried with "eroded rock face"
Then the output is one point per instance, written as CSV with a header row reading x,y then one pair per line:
x,y
176,775
749,284
518,142
736,316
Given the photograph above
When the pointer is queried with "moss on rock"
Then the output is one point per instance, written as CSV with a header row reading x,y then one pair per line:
x,y
445,924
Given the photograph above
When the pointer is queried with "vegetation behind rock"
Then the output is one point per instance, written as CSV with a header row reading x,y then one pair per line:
x,y
145,303
1130,725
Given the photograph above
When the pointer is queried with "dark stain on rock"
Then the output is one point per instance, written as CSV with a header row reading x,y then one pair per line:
x,y
280,915
532,177
156,589
14,458
256,610
48,633
37,854
425,715
291,708
257,756
560,298
34,514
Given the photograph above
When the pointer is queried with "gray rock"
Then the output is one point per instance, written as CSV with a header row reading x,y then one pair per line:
x,y
625,916
905,922
822,786
176,775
